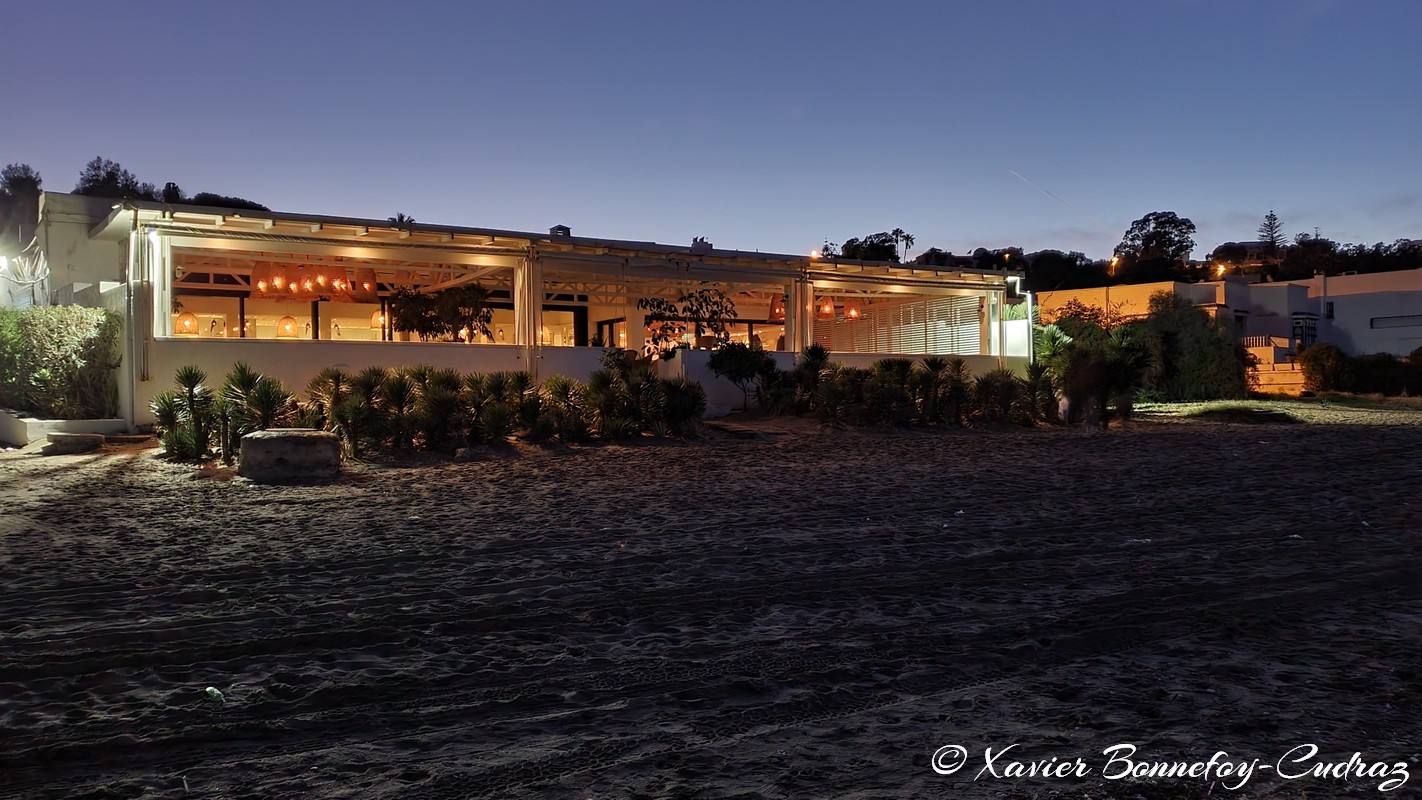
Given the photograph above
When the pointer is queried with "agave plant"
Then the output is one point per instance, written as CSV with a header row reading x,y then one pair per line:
x,y
1041,396
270,404
566,410
185,417
496,422
440,415
396,397
328,389
352,420
953,390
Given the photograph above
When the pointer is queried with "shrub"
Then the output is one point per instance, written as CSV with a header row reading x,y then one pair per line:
x,y
396,398
440,416
1191,355
566,413
682,404
1326,368
185,416
741,364
1379,373
58,361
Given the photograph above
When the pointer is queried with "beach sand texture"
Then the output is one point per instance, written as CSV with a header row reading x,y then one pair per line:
x,y
810,614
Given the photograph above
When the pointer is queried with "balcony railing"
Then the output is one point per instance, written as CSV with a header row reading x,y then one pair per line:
x,y
1268,341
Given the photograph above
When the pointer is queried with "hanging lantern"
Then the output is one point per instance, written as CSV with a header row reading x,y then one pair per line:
x,y
286,328
777,308
377,320
852,310
826,308
187,324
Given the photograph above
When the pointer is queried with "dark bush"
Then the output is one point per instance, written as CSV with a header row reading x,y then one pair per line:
x,y
1326,368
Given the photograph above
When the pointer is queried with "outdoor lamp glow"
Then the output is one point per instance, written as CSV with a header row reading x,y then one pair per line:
x,y
777,308
827,308
377,320
286,328
187,324
852,310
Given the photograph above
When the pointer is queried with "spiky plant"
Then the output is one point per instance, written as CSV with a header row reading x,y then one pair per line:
x,y
327,390
440,417
1041,396
352,420
954,390
271,405
496,422
197,406
396,397
420,374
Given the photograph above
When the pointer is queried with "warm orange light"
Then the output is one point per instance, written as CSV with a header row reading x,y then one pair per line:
x,y
261,286
321,280
279,282
306,284
777,308
377,320
814,254
187,323
827,308
852,310
366,285
286,328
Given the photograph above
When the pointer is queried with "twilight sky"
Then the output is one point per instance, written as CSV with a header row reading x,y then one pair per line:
x,y
760,125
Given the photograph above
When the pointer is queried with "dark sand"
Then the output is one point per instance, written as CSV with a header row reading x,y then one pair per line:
x,y
803,615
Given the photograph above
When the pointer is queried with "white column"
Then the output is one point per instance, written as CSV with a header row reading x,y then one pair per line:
x,y
528,308
800,315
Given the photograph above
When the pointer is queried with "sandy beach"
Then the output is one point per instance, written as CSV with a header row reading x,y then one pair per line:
x,y
798,614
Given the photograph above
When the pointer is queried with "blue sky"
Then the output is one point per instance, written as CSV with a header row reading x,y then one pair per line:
x,y
760,125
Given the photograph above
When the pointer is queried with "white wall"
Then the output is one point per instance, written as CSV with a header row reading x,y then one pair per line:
x,y
296,361
571,362
73,257
722,396
1351,327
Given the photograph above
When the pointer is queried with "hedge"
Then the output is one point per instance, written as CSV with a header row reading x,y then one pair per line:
x,y
59,361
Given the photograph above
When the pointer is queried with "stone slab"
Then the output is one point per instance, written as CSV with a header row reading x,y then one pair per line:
x,y
284,455
69,443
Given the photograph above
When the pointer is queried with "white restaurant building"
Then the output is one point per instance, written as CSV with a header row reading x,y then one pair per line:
x,y
291,294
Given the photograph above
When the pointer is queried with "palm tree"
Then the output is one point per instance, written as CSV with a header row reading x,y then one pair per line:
x,y
402,221
900,237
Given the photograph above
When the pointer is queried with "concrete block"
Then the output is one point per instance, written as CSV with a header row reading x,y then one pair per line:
x,y
289,454
69,443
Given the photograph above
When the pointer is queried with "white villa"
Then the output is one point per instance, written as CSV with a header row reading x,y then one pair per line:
x,y
291,294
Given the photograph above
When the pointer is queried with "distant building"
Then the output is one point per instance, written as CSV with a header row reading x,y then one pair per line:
x,y
1378,312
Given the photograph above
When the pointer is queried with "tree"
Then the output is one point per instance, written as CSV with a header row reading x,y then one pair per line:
x,y
172,193
104,178
874,247
19,195
906,239
741,364
1271,234
1049,270
464,310
223,201
402,222
1158,236
707,310
1309,256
